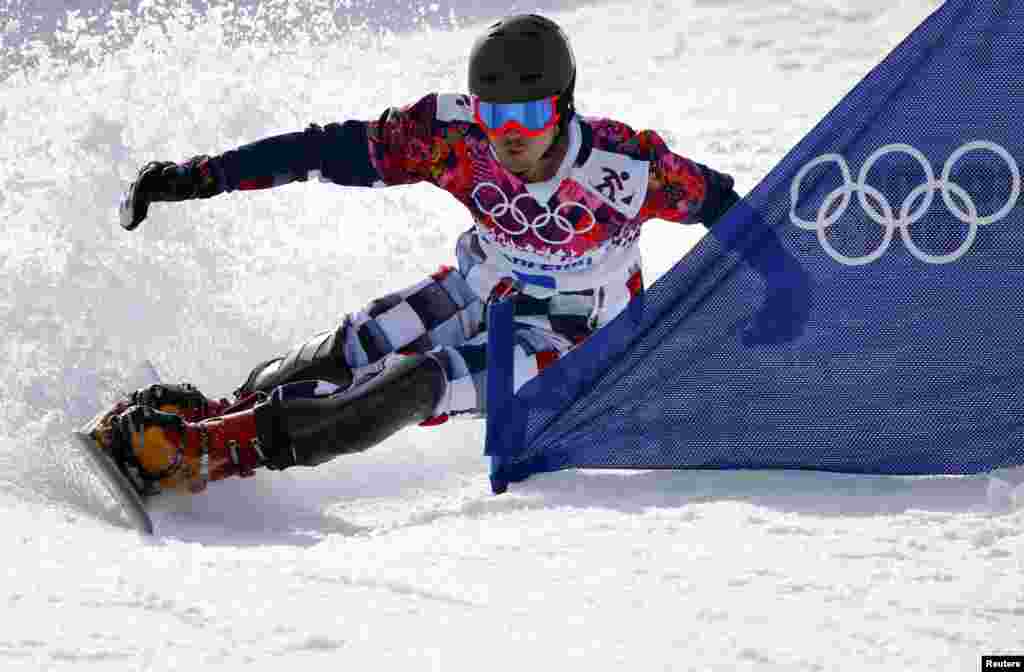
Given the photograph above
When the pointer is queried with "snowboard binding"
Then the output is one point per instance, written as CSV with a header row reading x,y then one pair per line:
x,y
136,421
159,437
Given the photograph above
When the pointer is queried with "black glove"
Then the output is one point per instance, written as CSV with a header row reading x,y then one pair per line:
x,y
167,181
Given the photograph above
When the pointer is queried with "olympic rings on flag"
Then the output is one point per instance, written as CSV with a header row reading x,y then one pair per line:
x,y
908,215
539,222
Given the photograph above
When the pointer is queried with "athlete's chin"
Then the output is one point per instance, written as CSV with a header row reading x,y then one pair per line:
x,y
516,166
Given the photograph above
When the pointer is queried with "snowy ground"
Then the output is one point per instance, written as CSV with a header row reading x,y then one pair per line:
x,y
400,559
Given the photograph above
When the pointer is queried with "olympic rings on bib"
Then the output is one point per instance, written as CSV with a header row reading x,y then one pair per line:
x,y
537,225
887,218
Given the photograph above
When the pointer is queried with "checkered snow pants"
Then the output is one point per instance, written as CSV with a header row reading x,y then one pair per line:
x,y
444,317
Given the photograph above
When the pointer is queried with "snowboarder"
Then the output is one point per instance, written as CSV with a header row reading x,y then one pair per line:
x,y
557,199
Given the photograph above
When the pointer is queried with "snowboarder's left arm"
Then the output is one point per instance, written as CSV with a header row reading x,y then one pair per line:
x,y
678,189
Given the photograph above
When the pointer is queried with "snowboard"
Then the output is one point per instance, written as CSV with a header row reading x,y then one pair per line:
x,y
116,483
105,469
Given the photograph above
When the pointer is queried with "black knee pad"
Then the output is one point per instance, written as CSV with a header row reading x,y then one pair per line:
x,y
310,431
319,358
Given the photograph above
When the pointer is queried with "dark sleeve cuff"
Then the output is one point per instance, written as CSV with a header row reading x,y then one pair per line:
x,y
339,152
718,198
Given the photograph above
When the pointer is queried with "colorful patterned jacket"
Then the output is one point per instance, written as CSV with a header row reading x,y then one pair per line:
x,y
577,231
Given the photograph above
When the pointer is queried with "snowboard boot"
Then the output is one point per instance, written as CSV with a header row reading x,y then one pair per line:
x,y
169,441
160,450
181,399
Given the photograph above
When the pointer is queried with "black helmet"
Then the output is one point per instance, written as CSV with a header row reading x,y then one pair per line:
x,y
521,58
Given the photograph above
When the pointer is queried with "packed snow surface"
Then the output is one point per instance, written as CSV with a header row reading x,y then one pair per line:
x,y
400,558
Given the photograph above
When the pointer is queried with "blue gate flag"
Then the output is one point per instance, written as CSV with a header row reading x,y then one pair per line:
x,y
861,310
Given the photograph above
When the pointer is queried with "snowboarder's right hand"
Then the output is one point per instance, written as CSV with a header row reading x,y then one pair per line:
x,y
166,181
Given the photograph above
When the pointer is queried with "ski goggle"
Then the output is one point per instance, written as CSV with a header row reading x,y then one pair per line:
x,y
531,118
